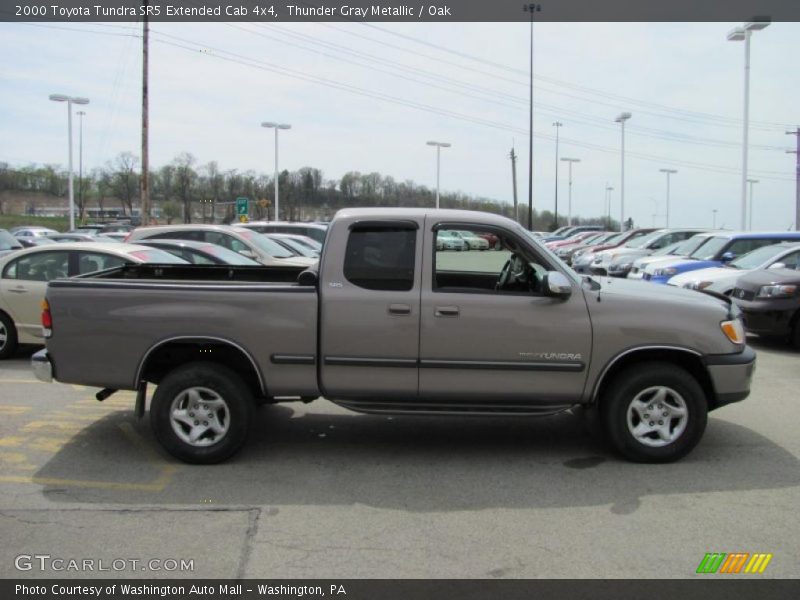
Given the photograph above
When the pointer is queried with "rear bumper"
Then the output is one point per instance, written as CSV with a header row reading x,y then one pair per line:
x,y
731,375
42,367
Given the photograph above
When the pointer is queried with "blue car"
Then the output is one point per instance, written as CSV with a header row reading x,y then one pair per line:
x,y
720,249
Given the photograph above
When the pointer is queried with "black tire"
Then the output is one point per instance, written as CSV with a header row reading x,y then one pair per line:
x,y
8,345
643,379
175,389
794,336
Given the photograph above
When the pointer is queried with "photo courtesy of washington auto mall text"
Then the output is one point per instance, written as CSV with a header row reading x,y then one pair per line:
x,y
399,299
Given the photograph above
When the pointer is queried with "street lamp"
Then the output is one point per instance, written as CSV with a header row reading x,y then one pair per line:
x,y
569,202
81,114
621,120
276,127
740,34
609,189
713,218
668,172
70,100
439,146
750,220
558,125
531,8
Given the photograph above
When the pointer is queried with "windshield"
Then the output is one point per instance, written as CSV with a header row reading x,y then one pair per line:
x,y
666,250
228,256
710,249
154,255
693,243
756,258
265,244
642,240
614,239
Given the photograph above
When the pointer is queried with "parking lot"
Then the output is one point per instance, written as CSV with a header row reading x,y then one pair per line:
x,y
321,492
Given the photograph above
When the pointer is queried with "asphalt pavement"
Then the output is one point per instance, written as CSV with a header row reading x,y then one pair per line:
x,y
321,492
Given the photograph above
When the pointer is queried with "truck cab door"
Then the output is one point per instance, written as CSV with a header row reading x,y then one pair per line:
x,y
369,310
492,334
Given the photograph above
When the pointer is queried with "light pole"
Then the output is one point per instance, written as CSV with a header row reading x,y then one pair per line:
x,y
750,220
439,146
70,100
740,34
558,125
569,201
621,120
531,8
796,152
713,218
276,127
609,189
668,172
81,114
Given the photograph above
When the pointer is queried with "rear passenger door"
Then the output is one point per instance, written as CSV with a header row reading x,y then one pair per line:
x,y
369,316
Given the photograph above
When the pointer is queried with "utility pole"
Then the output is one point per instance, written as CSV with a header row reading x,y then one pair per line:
x,y
609,189
144,181
796,152
558,126
513,157
750,220
531,8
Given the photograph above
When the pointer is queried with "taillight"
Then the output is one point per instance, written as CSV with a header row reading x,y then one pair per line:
x,y
47,319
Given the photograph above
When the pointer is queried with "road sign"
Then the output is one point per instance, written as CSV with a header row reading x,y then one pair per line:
x,y
243,218
241,206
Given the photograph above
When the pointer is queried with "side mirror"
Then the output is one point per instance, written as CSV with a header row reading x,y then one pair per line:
x,y
728,257
308,278
777,265
557,285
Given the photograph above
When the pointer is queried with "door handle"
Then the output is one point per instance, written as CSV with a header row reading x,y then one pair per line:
x,y
18,290
446,311
399,309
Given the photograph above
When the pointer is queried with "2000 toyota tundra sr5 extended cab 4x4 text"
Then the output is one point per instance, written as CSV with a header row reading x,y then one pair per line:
x,y
388,324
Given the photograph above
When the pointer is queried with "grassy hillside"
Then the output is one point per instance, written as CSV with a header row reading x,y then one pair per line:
x,y
57,223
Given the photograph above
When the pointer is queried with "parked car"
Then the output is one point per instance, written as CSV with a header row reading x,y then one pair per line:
x,y
582,264
565,251
573,239
527,338
293,243
33,241
447,240
770,302
473,241
569,232
316,231
25,273
199,253
669,254
720,249
8,243
247,242
723,279
31,231
116,236
81,237
619,262
492,239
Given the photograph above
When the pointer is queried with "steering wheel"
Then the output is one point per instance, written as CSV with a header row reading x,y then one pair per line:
x,y
513,273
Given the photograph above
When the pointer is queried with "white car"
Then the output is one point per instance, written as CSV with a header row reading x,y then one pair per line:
x,y
723,279
32,231
684,248
472,241
25,273
246,242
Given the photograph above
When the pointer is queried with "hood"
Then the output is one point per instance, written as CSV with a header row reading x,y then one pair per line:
x,y
712,274
627,255
683,265
755,279
647,261
659,293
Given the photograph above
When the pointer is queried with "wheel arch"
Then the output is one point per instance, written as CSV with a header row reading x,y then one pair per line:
x,y
686,358
170,353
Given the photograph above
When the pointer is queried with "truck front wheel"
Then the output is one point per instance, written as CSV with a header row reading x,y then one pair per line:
x,y
654,412
201,412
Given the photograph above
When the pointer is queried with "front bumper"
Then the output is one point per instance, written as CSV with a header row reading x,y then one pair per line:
x,y
768,317
731,375
42,367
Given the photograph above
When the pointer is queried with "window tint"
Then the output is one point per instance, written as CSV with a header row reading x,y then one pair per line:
x,y
88,262
381,258
40,266
740,247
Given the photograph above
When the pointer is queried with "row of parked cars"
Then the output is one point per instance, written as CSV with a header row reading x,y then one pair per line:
x,y
32,256
758,270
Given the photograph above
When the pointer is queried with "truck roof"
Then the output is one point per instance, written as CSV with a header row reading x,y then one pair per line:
x,y
442,213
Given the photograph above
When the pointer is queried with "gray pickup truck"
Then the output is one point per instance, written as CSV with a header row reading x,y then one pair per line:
x,y
386,323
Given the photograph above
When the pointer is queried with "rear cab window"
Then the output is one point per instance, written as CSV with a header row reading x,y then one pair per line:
x,y
381,257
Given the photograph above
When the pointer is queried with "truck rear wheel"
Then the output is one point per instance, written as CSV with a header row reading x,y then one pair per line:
x,y
201,412
654,412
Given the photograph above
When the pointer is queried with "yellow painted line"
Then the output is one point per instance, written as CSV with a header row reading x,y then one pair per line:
x,y
157,485
48,444
57,425
11,441
20,381
767,558
9,410
13,458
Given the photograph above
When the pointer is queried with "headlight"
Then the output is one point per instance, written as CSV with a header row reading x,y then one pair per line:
x,y
668,272
776,291
733,330
697,285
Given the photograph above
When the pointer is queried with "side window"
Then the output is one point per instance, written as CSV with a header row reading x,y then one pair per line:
x,y
791,261
196,258
740,247
479,261
381,258
196,236
40,266
89,262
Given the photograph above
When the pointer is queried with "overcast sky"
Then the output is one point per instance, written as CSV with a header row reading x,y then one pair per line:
x,y
367,97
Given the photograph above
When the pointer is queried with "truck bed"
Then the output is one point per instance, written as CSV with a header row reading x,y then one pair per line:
x,y
179,272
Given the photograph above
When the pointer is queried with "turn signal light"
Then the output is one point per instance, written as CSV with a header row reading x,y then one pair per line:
x,y
733,330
